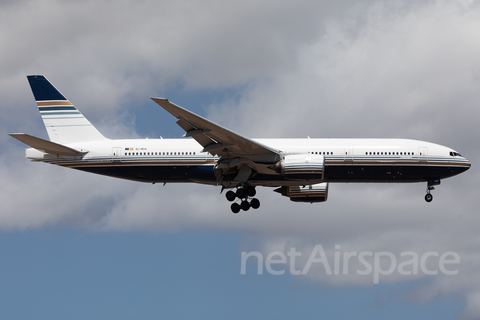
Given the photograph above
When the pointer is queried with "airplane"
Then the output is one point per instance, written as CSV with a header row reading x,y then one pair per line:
x,y
300,169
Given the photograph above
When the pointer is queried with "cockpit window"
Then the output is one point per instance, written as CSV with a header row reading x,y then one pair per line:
x,y
455,154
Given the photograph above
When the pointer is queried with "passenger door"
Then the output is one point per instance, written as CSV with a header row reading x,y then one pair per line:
x,y
422,154
116,154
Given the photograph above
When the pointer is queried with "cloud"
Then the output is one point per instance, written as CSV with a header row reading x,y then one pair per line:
x,y
323,69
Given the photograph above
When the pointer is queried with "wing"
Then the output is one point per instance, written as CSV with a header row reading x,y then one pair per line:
x,y
214,138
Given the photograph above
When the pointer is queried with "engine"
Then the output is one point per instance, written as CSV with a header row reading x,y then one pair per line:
x,y
301,167
313,193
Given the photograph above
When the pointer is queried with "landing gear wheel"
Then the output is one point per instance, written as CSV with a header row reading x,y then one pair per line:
x,y
235,207
245,205
428,197
230,195
241,193
251,192
255,203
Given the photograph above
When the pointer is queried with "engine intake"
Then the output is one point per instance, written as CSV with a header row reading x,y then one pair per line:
x,y
313,193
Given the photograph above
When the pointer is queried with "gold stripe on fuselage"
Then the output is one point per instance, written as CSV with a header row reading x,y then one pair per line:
x,y
123,162
399,163
134,163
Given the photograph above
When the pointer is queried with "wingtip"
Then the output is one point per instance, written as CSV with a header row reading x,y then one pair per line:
x,y
15,134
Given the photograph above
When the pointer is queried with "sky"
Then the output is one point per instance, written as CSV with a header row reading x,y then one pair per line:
x,y
76,245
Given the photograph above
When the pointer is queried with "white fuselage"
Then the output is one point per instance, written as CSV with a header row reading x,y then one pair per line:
x,y
346,160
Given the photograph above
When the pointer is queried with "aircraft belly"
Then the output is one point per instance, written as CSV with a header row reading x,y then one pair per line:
x,y
333,173
389,173
168,173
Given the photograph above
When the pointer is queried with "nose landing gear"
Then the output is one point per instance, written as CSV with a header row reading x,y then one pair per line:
x,y
243,194
430,187
428,196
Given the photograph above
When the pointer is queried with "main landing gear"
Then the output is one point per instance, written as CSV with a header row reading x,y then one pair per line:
x,y
430,187
243,194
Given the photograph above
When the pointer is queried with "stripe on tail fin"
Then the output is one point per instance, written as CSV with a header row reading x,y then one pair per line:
x,y
64,123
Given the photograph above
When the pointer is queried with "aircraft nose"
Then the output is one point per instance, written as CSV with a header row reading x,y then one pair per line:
x,y
466,164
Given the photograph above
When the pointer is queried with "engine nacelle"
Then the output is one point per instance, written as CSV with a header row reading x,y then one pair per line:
x,y
313,193
301,167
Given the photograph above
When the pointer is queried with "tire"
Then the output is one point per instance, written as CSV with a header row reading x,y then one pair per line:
x,y
428,197
251,191
255,203
241,193
235,207
230,195
245,205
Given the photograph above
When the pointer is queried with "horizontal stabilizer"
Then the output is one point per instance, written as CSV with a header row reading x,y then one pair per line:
x,y
46,146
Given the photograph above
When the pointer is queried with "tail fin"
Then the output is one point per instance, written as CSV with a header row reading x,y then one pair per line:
x,y
64,123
